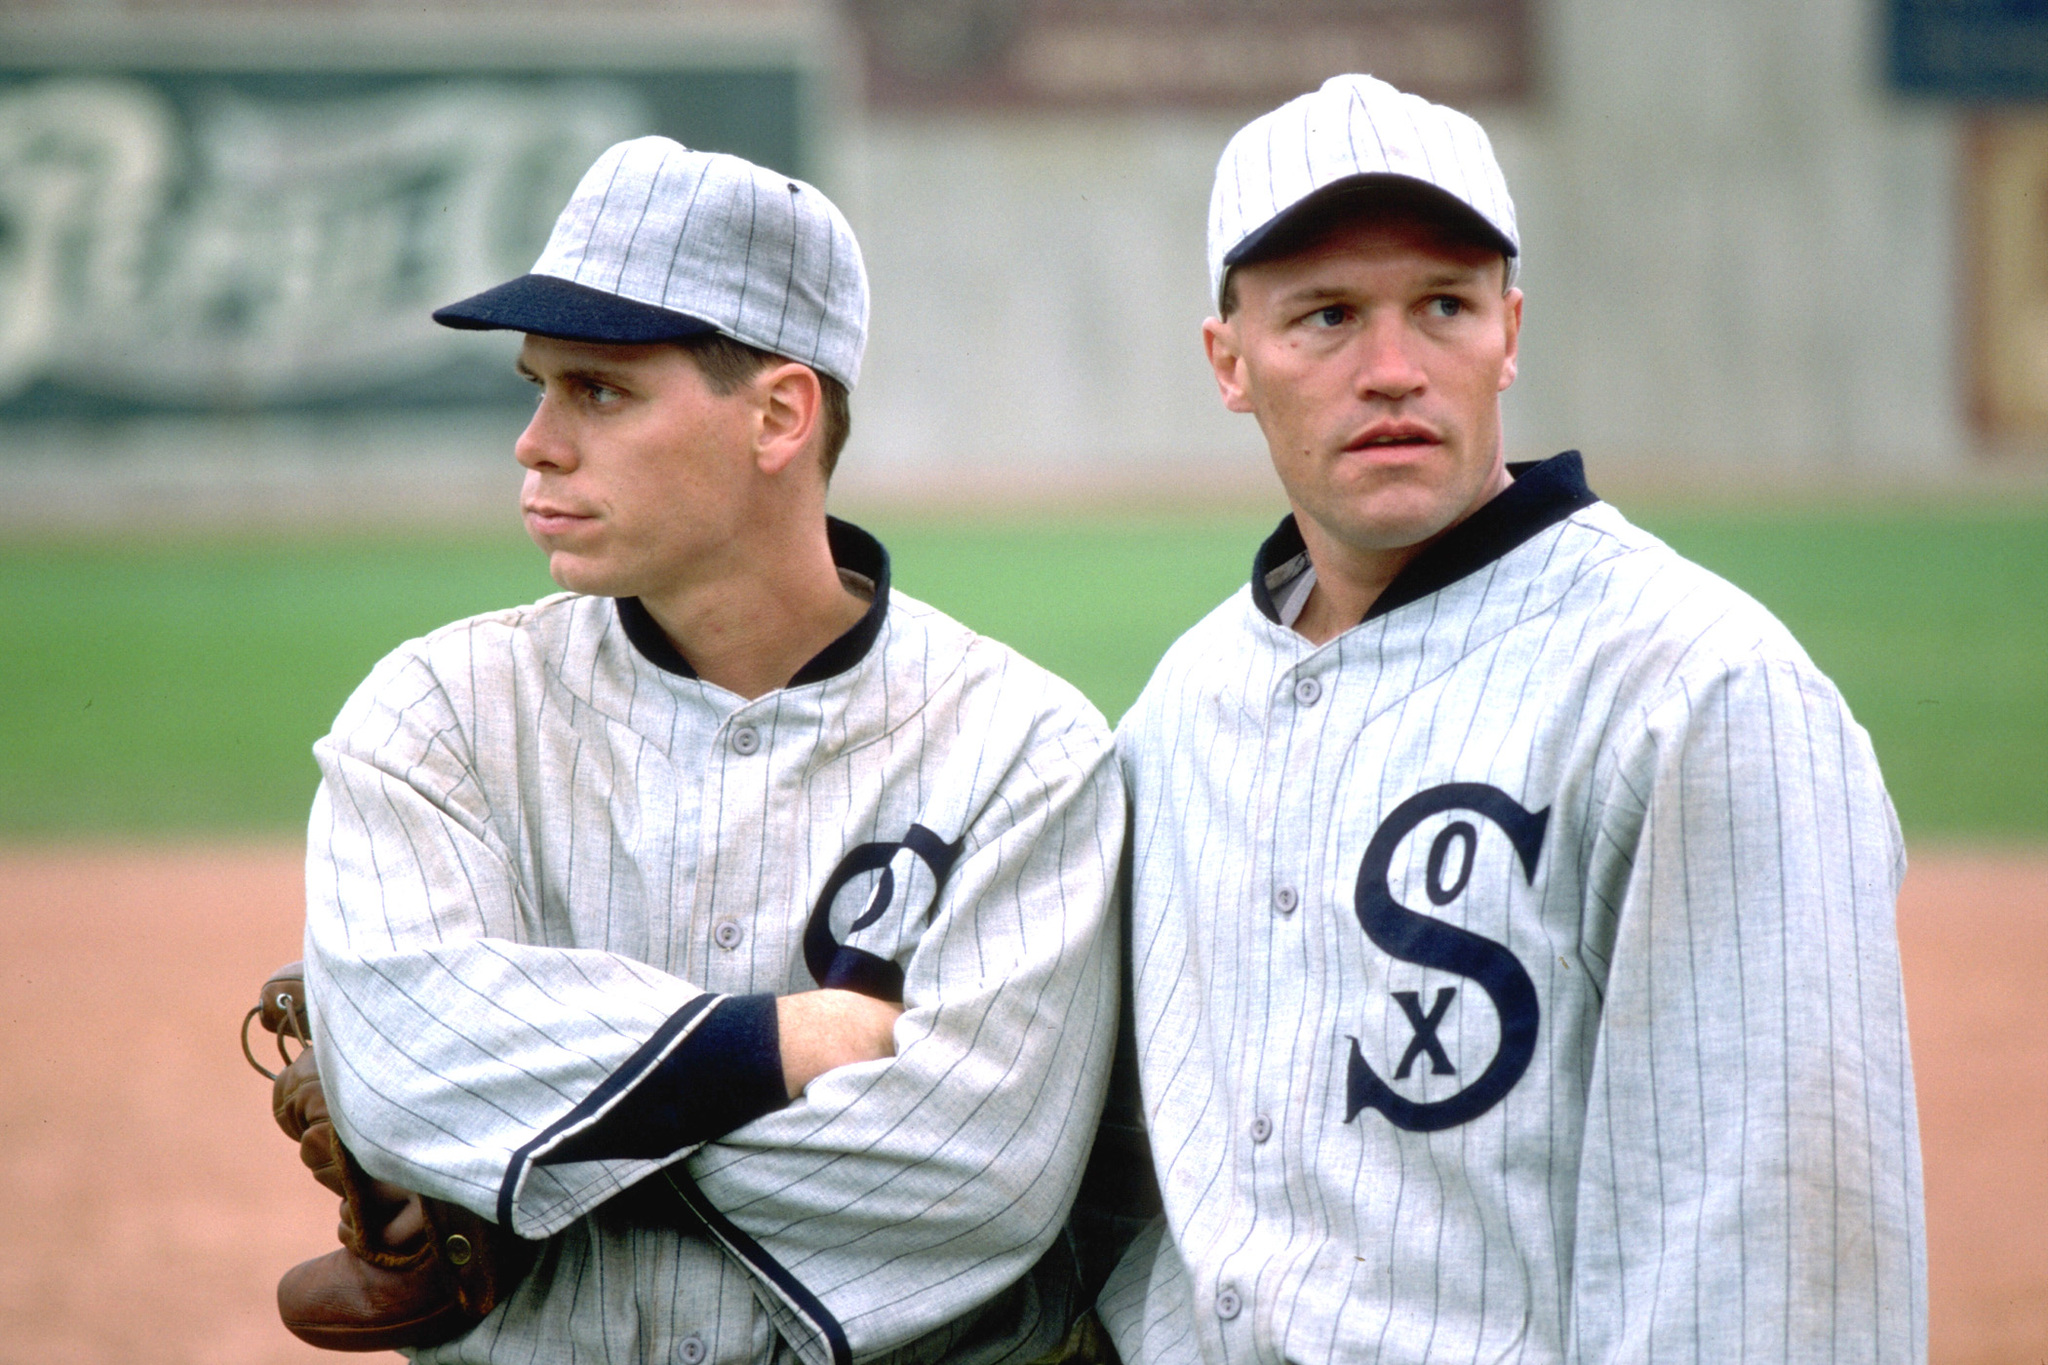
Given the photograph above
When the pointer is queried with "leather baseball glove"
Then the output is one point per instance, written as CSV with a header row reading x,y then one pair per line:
x,y
411,1271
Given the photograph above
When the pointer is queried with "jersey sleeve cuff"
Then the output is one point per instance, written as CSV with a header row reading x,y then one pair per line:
x,y
726,1072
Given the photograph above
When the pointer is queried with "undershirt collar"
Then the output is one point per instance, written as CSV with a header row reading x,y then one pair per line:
x,y
1543,494
863,564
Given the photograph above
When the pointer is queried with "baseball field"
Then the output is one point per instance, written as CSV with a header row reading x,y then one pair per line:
x,y
158,695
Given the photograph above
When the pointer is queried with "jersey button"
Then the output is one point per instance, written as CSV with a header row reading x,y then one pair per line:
x,y
1262,1128
690,1351
728,934
1228,1303
746,740
1308,691
1286,899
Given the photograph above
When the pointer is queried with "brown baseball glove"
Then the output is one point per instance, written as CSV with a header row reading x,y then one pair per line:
x,y
411,1271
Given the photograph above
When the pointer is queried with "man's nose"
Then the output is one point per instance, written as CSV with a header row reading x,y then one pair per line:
x,y
544,445
1388,367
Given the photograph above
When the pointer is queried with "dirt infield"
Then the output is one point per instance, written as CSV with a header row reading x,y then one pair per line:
x,y
147,1204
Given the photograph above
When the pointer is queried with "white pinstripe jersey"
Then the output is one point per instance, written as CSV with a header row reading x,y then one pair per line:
x,y
1515,974
554,884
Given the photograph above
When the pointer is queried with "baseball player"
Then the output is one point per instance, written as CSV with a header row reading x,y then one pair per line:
x,y
1512,900
730,925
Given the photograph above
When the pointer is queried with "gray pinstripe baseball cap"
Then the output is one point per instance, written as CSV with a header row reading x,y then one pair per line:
x,y
1355,135
660,243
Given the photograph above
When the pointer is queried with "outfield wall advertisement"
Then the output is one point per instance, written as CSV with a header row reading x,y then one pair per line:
x,y
272,241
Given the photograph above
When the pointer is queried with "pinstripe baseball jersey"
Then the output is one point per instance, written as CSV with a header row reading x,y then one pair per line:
x,y
555,883
1515,974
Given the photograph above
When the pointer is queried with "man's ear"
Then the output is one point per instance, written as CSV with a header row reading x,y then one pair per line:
x,y
791,402
1221,341
1512,321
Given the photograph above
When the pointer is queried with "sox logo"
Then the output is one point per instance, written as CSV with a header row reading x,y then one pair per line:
x,y
846,967
1429,942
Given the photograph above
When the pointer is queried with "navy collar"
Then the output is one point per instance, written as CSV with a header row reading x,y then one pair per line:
x,y
853,550
1543,494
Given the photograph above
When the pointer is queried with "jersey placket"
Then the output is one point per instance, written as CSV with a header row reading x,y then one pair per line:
x,y
1288,901
744,857
696,731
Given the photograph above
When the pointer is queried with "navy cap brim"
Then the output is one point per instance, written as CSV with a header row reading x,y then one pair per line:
x,y
1366,188
554,307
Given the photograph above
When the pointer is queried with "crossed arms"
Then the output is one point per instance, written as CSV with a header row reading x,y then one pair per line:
x,y
497,1039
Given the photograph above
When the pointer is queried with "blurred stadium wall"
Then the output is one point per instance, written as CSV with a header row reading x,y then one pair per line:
x,y
221,229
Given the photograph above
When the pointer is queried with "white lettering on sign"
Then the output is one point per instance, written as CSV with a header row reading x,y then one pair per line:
x,y
244,252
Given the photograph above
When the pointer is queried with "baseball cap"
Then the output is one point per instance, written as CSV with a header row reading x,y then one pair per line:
x,y
1355,135
660,243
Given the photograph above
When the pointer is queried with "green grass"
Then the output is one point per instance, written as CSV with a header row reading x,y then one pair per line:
x,y
178,685
1097,601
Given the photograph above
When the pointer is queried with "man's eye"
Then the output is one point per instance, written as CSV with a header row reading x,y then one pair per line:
x,y
1333,316
1445,306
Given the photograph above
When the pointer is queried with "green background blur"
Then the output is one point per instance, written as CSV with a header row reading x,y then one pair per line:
x,y
176,685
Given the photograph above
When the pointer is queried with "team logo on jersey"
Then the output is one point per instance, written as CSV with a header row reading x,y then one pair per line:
x,y
847,967
1429,942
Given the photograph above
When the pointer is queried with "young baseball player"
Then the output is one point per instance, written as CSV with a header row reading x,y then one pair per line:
x,y
1512,900
729,927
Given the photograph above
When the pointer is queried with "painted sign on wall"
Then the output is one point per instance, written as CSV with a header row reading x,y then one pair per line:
x,y
186,241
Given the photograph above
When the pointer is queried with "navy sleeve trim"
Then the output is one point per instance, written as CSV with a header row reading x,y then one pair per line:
x,y
648,1055
726,1073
